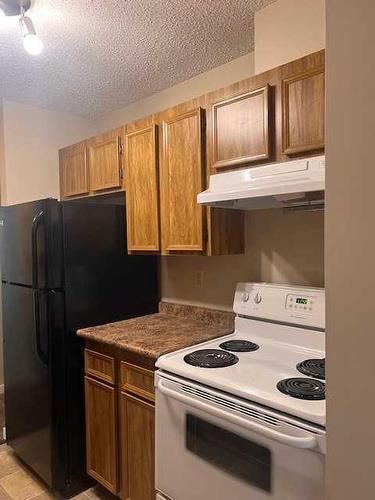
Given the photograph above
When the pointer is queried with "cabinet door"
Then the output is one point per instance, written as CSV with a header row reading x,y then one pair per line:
x,y
101,433
182,179
105,164
137,448
73,171
240,129
303,98
142,203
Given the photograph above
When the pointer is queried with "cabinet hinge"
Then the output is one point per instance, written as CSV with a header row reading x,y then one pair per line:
x,y
120,149
121,173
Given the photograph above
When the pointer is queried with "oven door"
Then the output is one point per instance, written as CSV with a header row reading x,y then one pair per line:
x,y
211,446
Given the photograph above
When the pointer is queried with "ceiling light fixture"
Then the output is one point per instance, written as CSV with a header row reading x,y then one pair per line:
x,y
32,43
14,7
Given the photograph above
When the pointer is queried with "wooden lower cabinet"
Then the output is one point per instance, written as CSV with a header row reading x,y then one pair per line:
x,y
120,424
137,421
101,433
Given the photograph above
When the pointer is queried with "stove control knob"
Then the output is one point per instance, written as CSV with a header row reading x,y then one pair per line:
x,y
257,298
245,297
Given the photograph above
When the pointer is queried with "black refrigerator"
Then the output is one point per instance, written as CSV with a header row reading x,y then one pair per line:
x,y
64,267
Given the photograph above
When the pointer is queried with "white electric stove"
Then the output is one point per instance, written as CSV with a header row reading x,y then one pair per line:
x,y
260,391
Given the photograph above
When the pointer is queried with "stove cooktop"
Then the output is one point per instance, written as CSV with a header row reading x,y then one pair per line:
x,y
275,365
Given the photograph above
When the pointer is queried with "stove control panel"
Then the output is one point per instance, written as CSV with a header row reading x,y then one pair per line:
x,y
288,304
300,303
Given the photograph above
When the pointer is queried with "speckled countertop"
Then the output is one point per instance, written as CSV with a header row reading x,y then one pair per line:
x,y
174,327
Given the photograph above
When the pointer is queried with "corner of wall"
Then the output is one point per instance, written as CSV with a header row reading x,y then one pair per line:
x,y
2,156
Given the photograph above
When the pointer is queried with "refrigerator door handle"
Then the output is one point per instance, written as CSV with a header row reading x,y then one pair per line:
x,y
43,354
34,247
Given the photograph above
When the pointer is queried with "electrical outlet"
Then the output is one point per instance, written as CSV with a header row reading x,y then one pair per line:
x,y
199,278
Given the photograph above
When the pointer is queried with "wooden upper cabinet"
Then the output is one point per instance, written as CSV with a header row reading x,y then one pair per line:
x,y
240,129
182,178
105,162
303,101
74,180
142,200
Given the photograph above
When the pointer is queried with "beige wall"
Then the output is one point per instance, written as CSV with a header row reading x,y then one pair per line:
x,y
2,154
350,249
235,70
287,30
31,139
280,247
2,170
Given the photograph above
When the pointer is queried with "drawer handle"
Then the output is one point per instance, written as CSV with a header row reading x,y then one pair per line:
x,y
309,441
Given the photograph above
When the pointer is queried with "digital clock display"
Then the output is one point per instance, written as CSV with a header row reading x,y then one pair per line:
x,y
300,300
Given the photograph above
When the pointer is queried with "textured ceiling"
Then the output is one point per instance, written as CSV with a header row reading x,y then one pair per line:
x,y
100,55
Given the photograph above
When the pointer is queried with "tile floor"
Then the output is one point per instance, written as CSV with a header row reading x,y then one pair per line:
x,y
18,483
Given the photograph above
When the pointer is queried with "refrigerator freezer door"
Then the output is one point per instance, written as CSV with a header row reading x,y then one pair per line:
x,y
28,406
102,283
30,244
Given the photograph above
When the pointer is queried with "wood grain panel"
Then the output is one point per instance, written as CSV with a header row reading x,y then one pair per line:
x,y
183,177
74,179
100,366
241,129
226,229
142,200
105,163
137,448
303,111
101,433
137,380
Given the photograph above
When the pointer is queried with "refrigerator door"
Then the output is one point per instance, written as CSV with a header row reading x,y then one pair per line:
x,y
30,244
28,395
103,284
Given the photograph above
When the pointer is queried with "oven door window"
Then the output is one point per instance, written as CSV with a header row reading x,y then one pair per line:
x,y
232,453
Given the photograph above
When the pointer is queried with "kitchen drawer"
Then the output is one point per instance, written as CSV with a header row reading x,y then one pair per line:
x,y
137,380
100,366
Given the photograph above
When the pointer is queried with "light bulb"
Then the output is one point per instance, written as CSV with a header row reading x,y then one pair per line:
x,y
31,41
33,44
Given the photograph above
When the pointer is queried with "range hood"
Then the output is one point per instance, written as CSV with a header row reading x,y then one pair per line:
x,y
297,184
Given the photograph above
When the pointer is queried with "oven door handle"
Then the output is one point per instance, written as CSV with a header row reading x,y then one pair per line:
x,y
308,441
